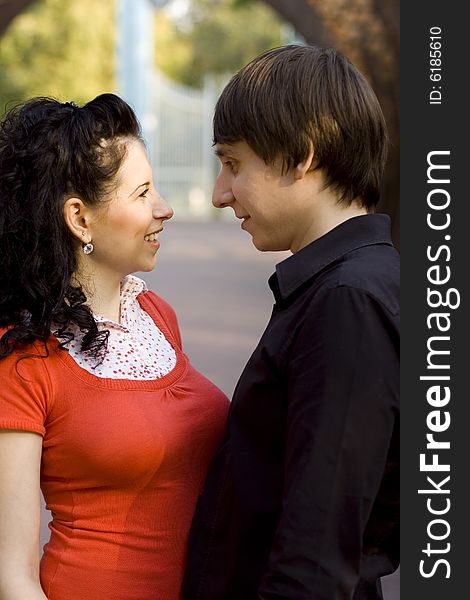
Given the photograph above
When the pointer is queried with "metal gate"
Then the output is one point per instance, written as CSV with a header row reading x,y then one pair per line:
x,y
178,129
176,120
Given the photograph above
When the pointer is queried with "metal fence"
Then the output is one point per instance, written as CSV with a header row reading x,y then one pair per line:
x,y
176,120
178,130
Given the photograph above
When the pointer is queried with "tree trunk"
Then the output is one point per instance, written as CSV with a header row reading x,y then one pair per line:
x,y
9,9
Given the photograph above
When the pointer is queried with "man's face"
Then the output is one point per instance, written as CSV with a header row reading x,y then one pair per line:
x,y
271,204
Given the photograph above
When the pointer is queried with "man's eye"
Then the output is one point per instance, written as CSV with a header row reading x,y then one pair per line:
x,y
230,164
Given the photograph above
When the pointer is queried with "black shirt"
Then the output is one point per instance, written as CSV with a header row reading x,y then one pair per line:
x,y
301,502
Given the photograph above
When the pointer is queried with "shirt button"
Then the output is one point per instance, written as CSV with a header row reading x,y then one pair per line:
x,y
148,362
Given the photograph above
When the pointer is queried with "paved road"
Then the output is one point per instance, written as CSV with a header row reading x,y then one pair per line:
x,y
217,283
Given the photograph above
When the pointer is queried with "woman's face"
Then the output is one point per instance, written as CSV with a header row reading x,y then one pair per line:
x,y
124,233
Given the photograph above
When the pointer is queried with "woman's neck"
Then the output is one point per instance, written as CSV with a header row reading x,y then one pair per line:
x,y
106,302
103,294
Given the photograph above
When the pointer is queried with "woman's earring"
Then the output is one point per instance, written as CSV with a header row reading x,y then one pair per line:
x,y
88,248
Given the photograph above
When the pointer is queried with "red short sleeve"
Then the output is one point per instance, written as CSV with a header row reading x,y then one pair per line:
x,y
24,392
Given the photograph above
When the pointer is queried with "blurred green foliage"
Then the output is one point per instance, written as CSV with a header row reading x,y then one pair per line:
x,y
60,49
216,37
67,49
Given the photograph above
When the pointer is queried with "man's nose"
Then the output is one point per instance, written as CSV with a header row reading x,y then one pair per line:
x,y
222,194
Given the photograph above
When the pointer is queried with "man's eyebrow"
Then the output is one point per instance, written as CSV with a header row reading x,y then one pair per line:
x,y
147,183
224,151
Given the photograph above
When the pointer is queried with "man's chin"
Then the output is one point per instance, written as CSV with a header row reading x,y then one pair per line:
x,y
258,244
266,245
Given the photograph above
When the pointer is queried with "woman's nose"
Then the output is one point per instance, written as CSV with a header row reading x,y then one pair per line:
x,y
161,208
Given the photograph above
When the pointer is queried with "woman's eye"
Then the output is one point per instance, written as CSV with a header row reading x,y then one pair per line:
x,y
144,193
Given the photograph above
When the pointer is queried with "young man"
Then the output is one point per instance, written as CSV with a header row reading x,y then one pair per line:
x,y
301,502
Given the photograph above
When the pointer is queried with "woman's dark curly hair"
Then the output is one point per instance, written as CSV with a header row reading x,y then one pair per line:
x,y
50,152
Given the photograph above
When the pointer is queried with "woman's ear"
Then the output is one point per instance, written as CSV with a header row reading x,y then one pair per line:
x,y
306,165
76,217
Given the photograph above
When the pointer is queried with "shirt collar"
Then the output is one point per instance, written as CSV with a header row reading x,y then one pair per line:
x,y
131,287
357,232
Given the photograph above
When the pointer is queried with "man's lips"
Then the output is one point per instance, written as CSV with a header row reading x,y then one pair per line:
x,y
245,219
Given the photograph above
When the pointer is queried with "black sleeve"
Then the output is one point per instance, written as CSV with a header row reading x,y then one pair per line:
x,y
343,381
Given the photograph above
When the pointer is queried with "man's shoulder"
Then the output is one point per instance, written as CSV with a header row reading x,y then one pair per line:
x,y
373,270
366,266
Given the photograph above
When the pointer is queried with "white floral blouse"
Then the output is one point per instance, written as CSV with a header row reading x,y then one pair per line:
x,y
137,349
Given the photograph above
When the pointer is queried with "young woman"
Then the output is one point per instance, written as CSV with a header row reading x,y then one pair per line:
x,y
99,406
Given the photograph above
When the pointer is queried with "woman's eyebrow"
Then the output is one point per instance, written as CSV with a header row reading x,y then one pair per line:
x,y
139,186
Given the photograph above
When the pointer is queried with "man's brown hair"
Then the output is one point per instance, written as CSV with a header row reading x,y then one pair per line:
x,y
293,98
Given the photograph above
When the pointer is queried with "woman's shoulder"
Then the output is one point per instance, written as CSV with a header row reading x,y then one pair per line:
x,y
27,388
151,302
25,348
137,287
154,301
30,355
158,302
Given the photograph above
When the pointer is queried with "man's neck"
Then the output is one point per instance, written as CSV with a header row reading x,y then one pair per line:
x,y
326,214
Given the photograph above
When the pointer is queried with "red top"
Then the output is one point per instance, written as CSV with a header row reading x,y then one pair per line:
x,y
123,463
